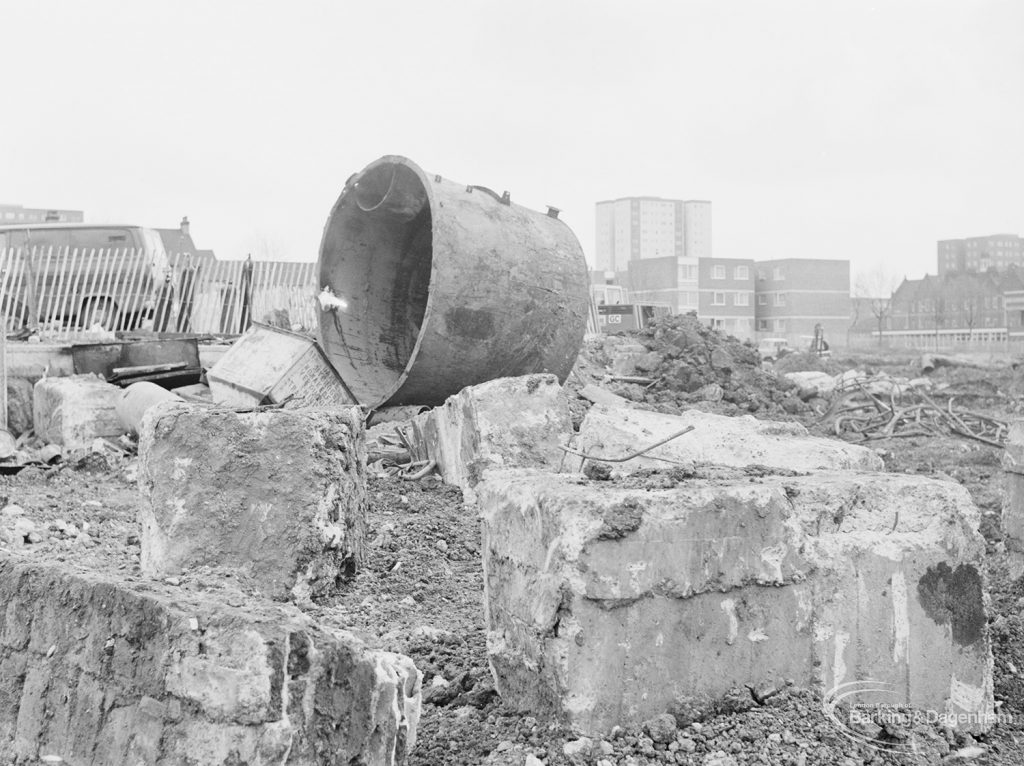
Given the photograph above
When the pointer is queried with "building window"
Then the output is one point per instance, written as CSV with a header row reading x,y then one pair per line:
x,y
741,299
762,324
780,325
687,273
762,300
741,272
777,274
780,299
718,272
718,299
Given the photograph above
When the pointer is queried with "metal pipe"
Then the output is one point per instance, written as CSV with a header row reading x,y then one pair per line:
x,y
136,399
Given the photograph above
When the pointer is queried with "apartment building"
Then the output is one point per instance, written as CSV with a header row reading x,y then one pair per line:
x,y
978,254
657,243
793,295
727,295
15,214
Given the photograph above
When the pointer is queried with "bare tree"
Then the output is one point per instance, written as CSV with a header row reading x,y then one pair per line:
x,y
875,287
264,246
939,315
970,316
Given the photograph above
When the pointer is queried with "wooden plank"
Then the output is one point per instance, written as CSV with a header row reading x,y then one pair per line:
x,y
145,369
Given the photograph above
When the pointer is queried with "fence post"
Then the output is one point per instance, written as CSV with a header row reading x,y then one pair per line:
x,y
30,291
246,289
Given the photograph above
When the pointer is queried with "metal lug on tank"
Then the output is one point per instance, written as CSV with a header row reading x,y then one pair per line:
x,y
506,198
553,211
437,179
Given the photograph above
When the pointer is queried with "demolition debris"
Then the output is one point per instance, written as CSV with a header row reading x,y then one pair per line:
x,y
622,550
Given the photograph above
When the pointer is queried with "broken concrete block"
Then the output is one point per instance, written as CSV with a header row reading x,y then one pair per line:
x,y
99,670
813,383
278,495
75,410
505,423
729,441
19,406
605,604
1013,502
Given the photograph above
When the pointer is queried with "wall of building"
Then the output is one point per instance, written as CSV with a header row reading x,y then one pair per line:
x,y
727,297
654,280
14,214
650,227
795,294
955,301
979,254
655,229
697,228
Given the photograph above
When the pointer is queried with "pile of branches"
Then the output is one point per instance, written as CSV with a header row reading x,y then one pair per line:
x,y
908,412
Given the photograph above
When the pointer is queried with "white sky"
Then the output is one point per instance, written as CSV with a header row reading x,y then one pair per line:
x,y
817,129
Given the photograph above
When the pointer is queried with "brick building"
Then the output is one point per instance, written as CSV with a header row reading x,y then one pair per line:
x,y
795,294
957,308
15,214
726,293
979,254
657,242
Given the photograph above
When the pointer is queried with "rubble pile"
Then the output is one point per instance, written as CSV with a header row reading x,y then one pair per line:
x,y
677,363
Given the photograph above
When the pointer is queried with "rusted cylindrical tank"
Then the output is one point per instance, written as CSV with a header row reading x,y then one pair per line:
x,y
447,285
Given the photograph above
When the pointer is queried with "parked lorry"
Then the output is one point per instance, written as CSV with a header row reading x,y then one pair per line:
x,y
80,274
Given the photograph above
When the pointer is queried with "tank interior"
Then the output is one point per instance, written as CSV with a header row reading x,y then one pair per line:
x,y
376,255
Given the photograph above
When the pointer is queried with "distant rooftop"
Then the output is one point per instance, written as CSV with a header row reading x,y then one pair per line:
x,y
652,199
15,214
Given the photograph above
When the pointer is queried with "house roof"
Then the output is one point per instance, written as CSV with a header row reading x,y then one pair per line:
x,y
177,241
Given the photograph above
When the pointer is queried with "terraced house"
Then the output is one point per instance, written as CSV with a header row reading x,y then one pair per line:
x,y
961,308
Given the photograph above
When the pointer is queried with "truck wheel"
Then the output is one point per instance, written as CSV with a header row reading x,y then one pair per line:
x,y
101,310
14,318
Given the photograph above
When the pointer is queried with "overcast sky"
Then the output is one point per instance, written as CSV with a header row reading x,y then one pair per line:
x,y
853,130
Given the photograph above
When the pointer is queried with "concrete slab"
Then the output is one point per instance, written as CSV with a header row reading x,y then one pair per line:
x,y
103,671
605,603
728,441
277,496
75,410
505,423
1013,501
19,406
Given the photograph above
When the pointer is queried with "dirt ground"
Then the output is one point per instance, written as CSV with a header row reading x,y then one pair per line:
x,y
421,593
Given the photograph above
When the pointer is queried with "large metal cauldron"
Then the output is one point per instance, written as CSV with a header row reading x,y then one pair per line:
x,y
447,286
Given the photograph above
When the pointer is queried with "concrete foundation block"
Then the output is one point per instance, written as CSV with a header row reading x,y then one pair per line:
x,y
107,672
505,423
75,410
1013,505
605,604
729,441
19,406
1013,500
278,496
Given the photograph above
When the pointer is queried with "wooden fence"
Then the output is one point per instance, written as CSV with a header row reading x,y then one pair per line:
x,y
71,290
